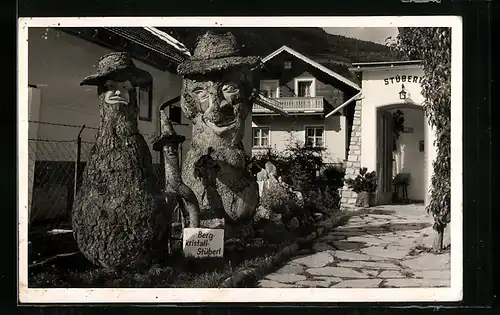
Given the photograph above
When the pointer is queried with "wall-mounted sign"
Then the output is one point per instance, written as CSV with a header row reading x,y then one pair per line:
x,y
403,79
407,130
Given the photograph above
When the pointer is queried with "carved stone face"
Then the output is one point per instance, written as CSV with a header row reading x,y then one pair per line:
x,y
220,101
118,102
171,150
117,92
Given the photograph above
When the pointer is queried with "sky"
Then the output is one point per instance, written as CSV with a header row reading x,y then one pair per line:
x,y
372,34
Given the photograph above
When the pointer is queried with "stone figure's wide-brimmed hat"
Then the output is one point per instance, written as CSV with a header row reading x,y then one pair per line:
x,y
117,63
168,136
215,52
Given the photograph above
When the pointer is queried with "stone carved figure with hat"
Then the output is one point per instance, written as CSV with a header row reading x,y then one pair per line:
x,y
118,219
217,97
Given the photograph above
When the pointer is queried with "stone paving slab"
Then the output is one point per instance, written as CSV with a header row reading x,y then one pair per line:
x,y
317,260
347,228
391,274
331,237
433,274
331,279
345,255
315,283
370,251
347,245
349,233
393,252
290,269
386,217
285,278
427,261
275,284
321,246
371,272
368,265
369,240
336,271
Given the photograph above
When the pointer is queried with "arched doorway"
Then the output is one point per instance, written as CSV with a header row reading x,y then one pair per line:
x,y
402,153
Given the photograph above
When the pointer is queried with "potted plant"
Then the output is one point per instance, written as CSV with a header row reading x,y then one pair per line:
x,y
365,185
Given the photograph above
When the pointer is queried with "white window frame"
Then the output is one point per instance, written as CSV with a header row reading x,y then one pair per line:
x,y
277,82
315,127
260,139
313,85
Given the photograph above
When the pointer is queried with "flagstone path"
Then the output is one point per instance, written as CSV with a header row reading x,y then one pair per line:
x,y
373,250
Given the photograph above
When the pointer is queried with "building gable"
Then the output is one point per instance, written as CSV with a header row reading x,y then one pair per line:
x,y
287,70
294,56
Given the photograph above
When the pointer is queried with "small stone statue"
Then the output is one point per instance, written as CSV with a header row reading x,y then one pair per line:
x,y
271,169
117,220
266,176
216,97
176,191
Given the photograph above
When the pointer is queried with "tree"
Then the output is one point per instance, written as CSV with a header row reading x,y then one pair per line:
x,y
433,47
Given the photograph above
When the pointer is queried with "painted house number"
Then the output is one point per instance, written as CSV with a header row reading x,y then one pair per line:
x,y
403,78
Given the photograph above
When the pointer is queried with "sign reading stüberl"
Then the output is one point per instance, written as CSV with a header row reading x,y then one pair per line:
x,y
199,243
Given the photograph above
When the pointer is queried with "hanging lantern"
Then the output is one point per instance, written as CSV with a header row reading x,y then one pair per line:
x,y
404,93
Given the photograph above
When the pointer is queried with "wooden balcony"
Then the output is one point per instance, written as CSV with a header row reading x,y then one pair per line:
x,y
294,105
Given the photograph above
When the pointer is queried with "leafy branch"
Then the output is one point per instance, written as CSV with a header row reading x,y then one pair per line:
x,y
433,47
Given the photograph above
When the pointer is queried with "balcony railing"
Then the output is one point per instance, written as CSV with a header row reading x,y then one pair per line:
x,y
294,104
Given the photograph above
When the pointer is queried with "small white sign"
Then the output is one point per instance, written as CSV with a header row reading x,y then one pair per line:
x,y
198,242
407,130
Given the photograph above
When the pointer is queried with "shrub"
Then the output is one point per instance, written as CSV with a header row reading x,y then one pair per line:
x,y
324,201
300,163
330,199
258,161
297,164
275,198
365,181
333,176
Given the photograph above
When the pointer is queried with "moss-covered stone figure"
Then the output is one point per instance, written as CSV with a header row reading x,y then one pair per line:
x,y
118,220
216,97
176,192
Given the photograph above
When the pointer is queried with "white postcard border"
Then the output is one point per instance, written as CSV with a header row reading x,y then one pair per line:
x,y
178,295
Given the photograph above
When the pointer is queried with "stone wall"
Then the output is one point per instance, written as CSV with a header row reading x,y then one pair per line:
x,y
353,163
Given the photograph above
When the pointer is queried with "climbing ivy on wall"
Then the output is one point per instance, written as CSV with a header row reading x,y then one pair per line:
x,y
433,47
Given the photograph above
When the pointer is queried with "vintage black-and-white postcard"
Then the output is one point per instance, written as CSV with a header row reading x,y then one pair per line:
x,y
245,159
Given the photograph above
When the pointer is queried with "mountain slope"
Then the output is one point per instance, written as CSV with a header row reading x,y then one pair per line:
x,y
311,42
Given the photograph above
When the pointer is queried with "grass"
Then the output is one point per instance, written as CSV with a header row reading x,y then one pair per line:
x,y
339,218
74,271
179,272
